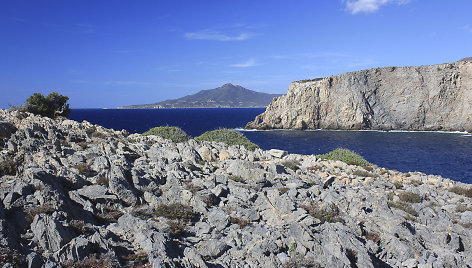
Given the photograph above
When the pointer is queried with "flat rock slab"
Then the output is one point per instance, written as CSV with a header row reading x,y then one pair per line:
x,y
277,153
94,192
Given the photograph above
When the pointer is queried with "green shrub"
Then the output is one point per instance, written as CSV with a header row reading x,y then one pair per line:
x,y
174,134
228,136
51,106
292,164
345,155
363,173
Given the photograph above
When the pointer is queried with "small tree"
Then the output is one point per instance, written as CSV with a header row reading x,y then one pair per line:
x,y
51,106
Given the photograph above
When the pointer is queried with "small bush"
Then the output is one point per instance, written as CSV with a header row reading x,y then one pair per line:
x,y
398,185
410,197
8,167
51,106
84,169
324,214
176,211
363,173
174,134
283,190
403,206
177,228
33,211
372,236
103,261
292,164
11,256
78,226
300,261
345,155
139,258
228,136
461,191
310,80
83,145
463,208
236,178
65,143
108,214
241,222
103,181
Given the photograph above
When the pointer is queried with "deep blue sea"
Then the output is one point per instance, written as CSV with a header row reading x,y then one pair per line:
x,y
445,154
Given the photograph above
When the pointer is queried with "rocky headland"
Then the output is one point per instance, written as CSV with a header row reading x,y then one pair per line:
x,y
436,97
76,194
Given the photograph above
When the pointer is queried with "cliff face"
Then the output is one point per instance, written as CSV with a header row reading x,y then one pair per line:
x,y
436,97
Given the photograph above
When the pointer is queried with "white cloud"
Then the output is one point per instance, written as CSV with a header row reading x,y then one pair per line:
x,y
217,36
370,6
249,63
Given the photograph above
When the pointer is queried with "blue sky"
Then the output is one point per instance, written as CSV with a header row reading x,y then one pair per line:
x,y
113,53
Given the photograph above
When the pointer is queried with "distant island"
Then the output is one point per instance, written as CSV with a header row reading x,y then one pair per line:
x,y
226,96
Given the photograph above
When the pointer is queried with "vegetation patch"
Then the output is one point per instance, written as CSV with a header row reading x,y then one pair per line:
x,y
410,197
12,257
51,106
138,259
398,185
236,178
84,169
108,214
8,167
174,134
345,155
403,206
463,208
78,226
363,173
241,222
103,261
177,228
33,211
375,237
292,164
301,261
103,181
176,211
310,80
324,214
462,191
228,136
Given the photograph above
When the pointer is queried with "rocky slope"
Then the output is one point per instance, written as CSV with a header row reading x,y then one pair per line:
x,y
226,96
437,97
77,194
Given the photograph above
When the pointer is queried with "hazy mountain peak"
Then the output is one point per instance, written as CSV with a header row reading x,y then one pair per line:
x,y
225,96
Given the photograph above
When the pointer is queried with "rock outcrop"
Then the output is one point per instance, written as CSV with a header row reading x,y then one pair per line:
x,y
437,97
78,195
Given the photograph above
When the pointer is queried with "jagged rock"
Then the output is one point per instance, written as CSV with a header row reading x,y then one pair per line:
x,y
277,153
435,97
73,196
50,233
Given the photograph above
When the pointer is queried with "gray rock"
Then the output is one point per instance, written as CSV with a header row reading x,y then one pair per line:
x,y
212,248
50,233
277,153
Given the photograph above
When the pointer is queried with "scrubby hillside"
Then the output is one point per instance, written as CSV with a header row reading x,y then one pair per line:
x,y
75,194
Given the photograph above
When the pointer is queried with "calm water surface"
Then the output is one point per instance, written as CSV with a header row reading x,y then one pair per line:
x,y
445,154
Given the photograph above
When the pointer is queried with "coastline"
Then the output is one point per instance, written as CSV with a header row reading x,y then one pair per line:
x,y
83,187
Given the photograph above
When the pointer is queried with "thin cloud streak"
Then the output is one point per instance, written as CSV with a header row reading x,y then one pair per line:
x,y
249,63
370,6
217,36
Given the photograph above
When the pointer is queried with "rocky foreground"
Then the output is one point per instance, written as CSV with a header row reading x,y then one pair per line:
x,y
434,97
75,194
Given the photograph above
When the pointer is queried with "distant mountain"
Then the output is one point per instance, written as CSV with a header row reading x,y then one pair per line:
x,y
226,96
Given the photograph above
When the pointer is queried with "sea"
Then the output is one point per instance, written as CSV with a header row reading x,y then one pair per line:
x,y
448,154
